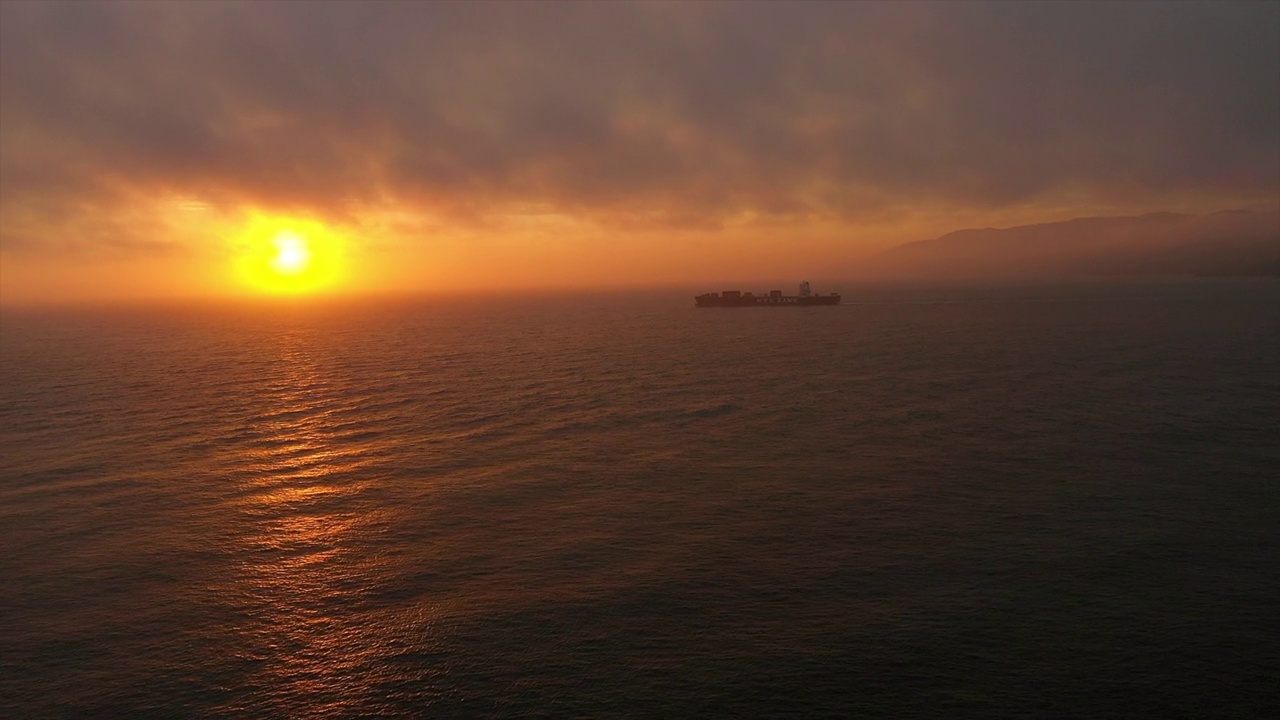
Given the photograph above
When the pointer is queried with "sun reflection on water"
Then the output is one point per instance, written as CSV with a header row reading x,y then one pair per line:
x,y
309,578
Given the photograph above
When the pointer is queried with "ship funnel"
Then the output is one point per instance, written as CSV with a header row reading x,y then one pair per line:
x,y
804,289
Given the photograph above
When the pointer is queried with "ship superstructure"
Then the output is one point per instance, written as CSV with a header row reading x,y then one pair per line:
x,y
775,298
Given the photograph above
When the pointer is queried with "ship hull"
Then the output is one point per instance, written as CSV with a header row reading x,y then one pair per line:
x,y
748,300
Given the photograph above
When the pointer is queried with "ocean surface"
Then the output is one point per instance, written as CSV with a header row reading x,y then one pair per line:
x,y
1057,501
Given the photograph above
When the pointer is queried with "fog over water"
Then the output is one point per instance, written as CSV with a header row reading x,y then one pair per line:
x,y
1050,501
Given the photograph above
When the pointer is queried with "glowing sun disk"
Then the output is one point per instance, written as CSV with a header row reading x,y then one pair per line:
x,y
287,255
292,254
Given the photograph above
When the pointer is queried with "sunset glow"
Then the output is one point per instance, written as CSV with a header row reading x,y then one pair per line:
x,y
355,147
282,255
639,358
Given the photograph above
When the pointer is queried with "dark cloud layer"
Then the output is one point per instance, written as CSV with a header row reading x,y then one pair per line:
x,y
685,113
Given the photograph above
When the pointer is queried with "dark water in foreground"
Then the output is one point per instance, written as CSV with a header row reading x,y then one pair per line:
x,y
1034,502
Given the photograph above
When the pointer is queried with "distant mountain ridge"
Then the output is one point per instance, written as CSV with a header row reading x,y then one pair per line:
x,y
1225,243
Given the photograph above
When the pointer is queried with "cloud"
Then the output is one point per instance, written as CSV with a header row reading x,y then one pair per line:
x,y
632,113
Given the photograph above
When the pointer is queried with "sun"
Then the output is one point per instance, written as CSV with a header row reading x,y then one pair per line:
x,y
292,253
287,255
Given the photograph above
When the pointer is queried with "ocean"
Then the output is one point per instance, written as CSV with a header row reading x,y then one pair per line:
x,y
1033,501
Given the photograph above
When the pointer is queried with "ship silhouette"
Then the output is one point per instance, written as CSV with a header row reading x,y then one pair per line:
x,y
775,298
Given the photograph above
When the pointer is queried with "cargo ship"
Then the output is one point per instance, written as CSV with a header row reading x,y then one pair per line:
x,y
775,298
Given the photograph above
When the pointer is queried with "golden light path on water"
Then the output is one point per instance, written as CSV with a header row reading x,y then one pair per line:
x,y
308,583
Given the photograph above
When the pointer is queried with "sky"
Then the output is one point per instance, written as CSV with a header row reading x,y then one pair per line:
x,y
210,149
